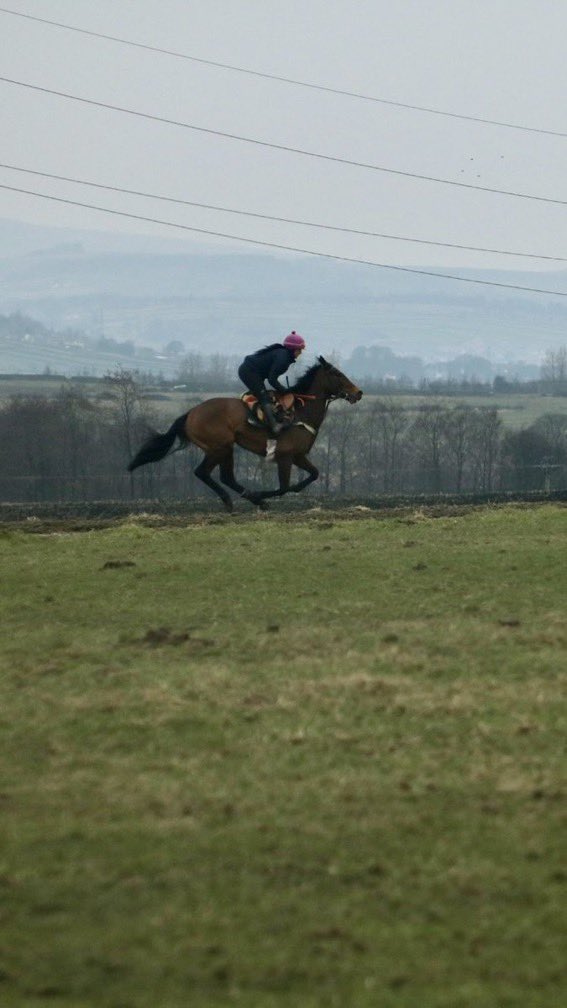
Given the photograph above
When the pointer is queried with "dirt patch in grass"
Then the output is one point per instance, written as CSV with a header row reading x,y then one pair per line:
x,y
87,517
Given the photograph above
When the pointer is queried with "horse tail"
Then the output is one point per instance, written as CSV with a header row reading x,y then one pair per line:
x,y
157,446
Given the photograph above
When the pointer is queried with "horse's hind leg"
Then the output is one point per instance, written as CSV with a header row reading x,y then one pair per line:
x,y
203,472
229,479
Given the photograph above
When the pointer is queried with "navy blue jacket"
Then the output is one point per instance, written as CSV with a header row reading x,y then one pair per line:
x,y
270,363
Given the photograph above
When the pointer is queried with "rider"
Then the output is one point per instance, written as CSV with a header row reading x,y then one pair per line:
x,y
267,365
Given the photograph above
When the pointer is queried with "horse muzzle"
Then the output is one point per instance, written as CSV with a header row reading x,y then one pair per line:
x,y
354,396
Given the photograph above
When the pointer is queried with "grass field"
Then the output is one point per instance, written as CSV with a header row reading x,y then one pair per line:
x,y
516,410
286,763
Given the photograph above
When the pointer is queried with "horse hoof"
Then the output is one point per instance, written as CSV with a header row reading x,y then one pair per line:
x,y
255,499
263,505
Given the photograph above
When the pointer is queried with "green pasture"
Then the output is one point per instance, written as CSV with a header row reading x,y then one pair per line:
x,y
286,763
167,403
516,410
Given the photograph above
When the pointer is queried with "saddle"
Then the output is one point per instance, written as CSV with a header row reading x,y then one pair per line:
x,y
283,406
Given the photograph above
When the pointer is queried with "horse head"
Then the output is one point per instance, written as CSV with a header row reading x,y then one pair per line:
x,y
337,385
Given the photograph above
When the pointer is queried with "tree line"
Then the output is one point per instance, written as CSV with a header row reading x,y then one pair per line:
x,y
198,372
74,448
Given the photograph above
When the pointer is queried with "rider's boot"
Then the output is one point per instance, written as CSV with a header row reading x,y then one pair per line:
x,y
275,427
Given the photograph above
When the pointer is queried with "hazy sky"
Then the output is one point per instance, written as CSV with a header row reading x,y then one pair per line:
x,y
499,59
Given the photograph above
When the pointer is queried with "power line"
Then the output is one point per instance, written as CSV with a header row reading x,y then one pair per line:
x,y
279,147
286,248
280,220
284,80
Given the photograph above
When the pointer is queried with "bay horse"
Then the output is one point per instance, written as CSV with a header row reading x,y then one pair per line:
x,y
216,425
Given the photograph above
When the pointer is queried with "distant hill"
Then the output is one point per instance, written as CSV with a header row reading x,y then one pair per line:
x,y
381,363
20,238
150,291
27,346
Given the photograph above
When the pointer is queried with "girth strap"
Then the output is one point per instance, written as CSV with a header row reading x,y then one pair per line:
x,y
301,423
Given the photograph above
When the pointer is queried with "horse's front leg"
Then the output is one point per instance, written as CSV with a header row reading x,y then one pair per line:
x,y
302,462
284,473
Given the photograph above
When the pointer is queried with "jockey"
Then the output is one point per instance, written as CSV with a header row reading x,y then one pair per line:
x,y
267,365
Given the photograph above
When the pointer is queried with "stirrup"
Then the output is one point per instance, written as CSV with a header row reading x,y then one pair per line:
x,y
263,425
254,422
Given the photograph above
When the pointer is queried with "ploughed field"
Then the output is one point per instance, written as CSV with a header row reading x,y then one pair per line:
x,y
308,762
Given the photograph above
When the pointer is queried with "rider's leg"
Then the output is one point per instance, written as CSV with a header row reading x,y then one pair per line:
x,y
255,383
266,404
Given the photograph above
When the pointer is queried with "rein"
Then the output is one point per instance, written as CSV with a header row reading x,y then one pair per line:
x,y
301,396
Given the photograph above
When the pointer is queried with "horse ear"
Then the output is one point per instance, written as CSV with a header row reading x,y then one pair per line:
x,y
322,361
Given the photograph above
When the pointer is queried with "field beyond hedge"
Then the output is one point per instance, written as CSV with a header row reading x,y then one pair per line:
x,y
286,764
516,409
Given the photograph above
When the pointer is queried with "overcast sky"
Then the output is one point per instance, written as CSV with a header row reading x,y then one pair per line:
x,y
498,59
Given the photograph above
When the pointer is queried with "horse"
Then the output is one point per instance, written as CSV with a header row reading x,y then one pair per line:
x,y
216,425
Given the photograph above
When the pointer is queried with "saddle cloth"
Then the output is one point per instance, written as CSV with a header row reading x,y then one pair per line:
x,y
284,408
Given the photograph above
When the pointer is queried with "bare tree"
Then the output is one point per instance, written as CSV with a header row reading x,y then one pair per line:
x,y
428,430
392,424
127,397
486,446
458,433
554,370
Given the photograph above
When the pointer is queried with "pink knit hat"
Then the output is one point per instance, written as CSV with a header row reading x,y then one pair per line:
x,y
294,341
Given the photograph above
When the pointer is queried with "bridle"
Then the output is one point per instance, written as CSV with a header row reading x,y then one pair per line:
x,y
327,397
341,395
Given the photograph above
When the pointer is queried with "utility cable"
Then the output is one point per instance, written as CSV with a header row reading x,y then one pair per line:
x,y
279,147
287,248
282,79
280,220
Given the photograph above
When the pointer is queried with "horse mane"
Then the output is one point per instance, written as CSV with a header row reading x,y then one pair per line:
x,y
304,383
